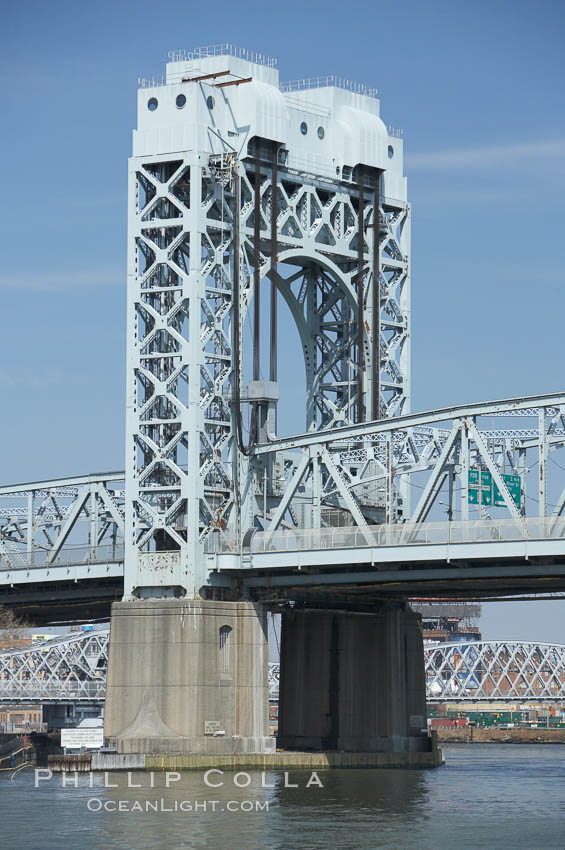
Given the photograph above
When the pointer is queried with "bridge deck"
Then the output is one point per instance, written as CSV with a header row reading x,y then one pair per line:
x,y
468,559
472,559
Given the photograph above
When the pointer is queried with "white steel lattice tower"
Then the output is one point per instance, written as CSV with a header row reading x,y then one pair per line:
x,y
205,228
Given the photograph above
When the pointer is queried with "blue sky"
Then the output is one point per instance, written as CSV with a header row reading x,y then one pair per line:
x,y
478,89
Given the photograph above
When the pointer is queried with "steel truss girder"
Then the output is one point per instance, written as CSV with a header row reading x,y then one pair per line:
x,y
63,520
360,432
53,509
73,667
513,671
382,454
70,667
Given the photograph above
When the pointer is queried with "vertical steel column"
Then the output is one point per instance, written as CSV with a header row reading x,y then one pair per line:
x,y
523,467
93,517
542,465
450,486
256,270
236,347
376,303
114,538
464,461
236,321
316,489
30,526
360,297
273,367
389,478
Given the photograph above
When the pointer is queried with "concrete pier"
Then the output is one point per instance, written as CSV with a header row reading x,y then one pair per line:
x,y
188,676
353,681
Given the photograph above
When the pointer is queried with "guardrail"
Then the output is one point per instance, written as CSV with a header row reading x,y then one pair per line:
x,y
324,82
404,534
34,691
68,556
222,50
344,537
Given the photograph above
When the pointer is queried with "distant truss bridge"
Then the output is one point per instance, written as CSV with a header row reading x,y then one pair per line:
x,y
72,668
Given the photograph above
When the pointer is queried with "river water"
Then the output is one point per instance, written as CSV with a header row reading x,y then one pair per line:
x,y
487,796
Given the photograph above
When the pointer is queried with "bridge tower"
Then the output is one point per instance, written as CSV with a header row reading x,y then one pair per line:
x,y
240,189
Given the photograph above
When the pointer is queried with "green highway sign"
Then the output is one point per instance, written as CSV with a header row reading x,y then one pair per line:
x,y
480,481
513,486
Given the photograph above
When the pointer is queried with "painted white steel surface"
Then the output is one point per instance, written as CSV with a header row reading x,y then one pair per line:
x,y
192,201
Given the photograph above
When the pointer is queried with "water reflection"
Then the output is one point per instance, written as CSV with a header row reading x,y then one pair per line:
x,y
492,796
391,792
247,810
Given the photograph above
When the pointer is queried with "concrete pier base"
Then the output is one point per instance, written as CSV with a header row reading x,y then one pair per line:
x,y
104,761
188,676
353,681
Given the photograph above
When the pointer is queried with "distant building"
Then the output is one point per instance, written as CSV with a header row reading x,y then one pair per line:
x,y
448,621
21,715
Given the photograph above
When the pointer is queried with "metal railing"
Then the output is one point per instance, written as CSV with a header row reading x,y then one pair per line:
x,y
68,556
221,50
343,537
151,82
327,81
406,534
35,691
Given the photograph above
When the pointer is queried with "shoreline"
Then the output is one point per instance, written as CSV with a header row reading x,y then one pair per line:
x,y
482,735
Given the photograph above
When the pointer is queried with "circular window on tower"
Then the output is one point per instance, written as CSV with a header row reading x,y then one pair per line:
x,y
180,101
152,104
304,128
390,151
210,102
321,132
